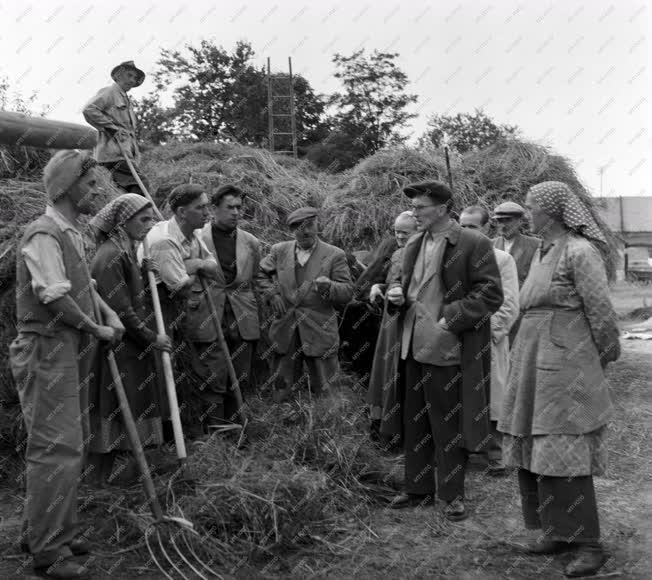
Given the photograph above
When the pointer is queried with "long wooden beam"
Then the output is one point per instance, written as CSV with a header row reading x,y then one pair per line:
x,y
19,129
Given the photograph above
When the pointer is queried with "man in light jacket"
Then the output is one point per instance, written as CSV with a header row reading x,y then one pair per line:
x,y
234,289
476,217
111,113
303,280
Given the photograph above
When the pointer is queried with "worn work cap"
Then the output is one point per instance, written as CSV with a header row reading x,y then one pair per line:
x,y
63,170
129,65
436,190
301,215
508,209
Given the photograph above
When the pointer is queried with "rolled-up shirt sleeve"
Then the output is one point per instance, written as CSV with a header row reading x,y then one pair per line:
x,y
44,260
171,267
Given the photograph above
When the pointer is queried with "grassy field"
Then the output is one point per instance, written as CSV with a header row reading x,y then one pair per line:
x,y
420,543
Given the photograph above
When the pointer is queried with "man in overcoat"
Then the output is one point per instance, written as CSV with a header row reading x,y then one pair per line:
x,y
234,289
51,361
110,111
304,280
448,290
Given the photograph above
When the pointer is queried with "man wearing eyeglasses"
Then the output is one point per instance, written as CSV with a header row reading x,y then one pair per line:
x,y
448,289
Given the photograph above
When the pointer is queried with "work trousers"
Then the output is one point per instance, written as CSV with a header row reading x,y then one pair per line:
x,y
564,508
323,372
52,376
432,428
217,398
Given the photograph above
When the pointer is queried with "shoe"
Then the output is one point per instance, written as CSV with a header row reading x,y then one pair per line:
x,y
496,468
541,547
78,547
587,562
64,570
455,511
405,500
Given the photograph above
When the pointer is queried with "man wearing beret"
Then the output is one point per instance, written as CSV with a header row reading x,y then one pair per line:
x,y
111,113
448,289
304,280
51,361
508,217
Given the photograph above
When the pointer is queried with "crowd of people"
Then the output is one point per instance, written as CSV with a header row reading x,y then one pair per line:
x,y
494,348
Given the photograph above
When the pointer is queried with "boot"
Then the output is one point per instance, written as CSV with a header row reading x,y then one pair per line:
x,y
374,430
589,558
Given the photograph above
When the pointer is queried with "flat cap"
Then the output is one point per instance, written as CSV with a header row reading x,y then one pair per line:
x,y
300,215
436,190
508,209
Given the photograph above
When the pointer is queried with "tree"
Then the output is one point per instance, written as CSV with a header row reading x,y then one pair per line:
x,y
373,105
219,95
155,122
465,132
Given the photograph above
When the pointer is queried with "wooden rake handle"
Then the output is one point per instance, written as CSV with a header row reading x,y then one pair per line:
x,y
130,425
168,374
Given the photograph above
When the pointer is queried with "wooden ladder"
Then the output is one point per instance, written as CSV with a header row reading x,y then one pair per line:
x,y
280,109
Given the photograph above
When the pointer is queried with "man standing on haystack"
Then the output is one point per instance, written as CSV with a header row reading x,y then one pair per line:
x,y
449,287
237,254
111,113
304,280
51,361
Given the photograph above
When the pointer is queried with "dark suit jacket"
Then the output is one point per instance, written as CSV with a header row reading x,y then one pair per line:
x,y
473,292
522,250
312,314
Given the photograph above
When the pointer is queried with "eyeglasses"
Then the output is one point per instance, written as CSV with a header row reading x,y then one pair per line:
x,y
421,207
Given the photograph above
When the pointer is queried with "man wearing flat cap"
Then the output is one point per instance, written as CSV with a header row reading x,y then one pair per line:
x,y
508,217
304,280
51,361
111,113
448,288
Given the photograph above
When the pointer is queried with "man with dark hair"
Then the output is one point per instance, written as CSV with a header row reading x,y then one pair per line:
x,y
476,217
111,113
304,280
448,288
237,255
52,359
181,257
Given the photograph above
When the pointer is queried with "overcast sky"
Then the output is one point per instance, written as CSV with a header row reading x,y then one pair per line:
x,y
571,74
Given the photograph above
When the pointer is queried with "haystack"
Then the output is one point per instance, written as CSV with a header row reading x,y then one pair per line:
x,y
359,205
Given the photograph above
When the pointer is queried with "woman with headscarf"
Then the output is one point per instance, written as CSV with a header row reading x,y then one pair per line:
x,y
120,226
557,403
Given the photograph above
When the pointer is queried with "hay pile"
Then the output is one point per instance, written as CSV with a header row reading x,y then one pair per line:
x,y
303,486
359,205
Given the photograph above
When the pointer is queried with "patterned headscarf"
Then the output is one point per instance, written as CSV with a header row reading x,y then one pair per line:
x,y
559,202
120,210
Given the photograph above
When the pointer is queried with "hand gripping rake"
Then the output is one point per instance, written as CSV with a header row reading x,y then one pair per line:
x,y
181,528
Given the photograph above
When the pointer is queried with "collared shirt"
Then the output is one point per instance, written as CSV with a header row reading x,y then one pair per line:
x,y
170,248
302,255
508,245
44,258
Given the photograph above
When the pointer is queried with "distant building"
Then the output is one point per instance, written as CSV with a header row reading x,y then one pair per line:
x,y
631,219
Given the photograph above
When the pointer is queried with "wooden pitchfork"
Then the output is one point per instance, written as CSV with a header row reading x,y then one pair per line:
x,y
181,529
